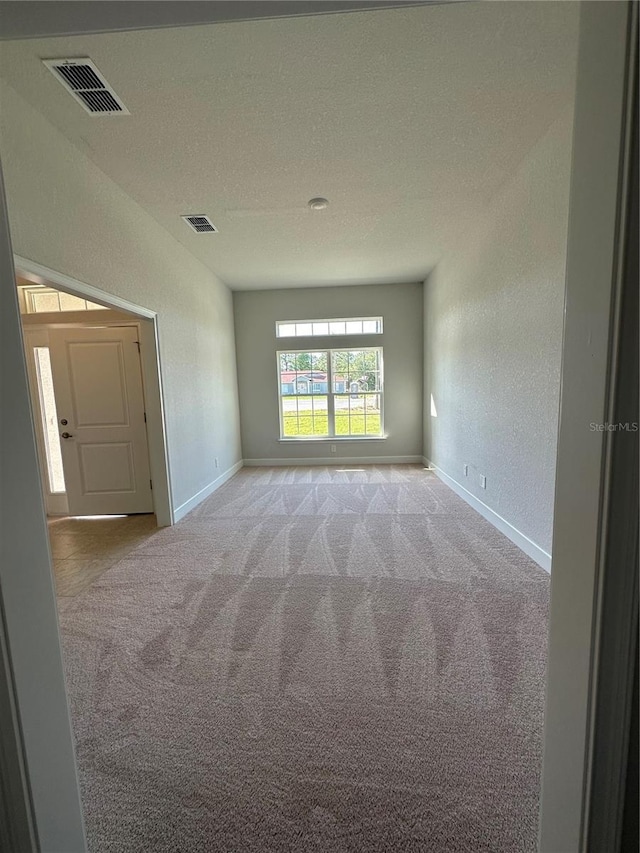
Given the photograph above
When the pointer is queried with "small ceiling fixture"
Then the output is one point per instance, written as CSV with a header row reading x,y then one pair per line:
x,y
200,223
318,204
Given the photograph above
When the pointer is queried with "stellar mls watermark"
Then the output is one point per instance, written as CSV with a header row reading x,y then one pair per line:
x,y
617,427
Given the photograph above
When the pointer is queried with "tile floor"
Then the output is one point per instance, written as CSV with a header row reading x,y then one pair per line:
x,y
84,548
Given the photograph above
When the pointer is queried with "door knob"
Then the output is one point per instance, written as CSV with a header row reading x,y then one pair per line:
x,y
66,435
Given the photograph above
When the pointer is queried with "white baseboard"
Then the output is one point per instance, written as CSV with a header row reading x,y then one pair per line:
x,y
541,557
332,460
193,502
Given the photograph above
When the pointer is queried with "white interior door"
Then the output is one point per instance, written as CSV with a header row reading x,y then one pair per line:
x,y
101,419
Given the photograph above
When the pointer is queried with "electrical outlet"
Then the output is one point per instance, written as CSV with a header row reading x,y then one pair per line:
x,y
466,470
483,481
333,448
216,461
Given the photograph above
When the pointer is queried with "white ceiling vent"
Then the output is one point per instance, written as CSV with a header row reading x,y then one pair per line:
x,y
200,223
82,79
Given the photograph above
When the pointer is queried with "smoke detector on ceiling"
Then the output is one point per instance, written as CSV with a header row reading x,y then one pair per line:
x,y
81,78
318,203
200,223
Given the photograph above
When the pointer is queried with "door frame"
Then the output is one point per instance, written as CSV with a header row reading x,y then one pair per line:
x,y
593,557
40,805
36,676
147,322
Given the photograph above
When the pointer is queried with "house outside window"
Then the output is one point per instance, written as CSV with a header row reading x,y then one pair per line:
x,y
335,393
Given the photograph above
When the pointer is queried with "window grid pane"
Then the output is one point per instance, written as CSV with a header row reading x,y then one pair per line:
x,y
69,302
358,414
319,328
320,416
44,302
359,370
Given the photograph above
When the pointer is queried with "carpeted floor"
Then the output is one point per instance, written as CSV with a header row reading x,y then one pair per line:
x,y
313,660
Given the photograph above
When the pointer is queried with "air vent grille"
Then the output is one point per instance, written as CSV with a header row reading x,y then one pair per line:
x,y
200,223
83,80
80,76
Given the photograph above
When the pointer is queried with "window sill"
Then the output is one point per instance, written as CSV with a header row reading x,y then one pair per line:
x,y
332,439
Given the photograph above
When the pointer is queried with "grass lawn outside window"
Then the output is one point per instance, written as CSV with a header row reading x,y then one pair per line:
x,y
307,422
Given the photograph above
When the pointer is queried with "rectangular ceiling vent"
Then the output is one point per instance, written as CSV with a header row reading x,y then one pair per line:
x,y
200,223
81,78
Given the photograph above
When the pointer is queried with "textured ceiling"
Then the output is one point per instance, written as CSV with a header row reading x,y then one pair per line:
x,y
407,120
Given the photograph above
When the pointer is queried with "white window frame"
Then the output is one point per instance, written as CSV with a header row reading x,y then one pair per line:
x,y
28,299
330,394
328,334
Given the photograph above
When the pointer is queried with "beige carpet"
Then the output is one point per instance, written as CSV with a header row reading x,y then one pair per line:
x,y
313,660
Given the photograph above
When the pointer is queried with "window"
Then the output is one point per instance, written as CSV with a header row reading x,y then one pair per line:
x,y
331,393
324,328
37,299
49,416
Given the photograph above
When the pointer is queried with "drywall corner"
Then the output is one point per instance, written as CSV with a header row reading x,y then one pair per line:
x,y
204,493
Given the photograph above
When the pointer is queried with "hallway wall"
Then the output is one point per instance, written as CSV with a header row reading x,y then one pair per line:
x,y
493,341
68,215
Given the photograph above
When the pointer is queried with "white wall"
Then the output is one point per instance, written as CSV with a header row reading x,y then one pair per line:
x,y
66,214
493,341
256,313
40,733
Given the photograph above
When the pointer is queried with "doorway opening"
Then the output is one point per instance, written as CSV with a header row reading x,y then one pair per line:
x,y
95,388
